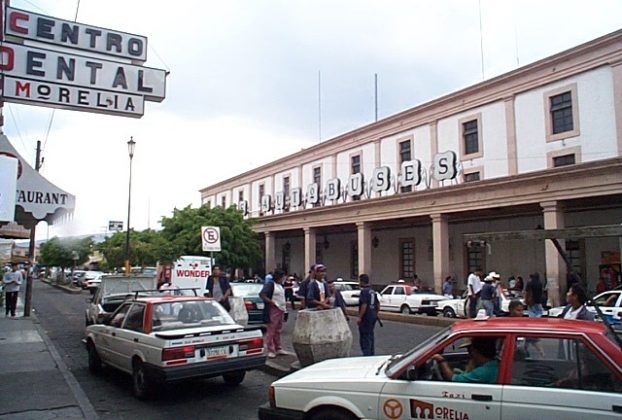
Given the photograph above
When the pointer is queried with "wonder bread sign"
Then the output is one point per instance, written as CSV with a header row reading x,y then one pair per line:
x,y
56,63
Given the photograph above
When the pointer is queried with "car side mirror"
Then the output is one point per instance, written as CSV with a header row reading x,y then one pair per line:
x,y
411,373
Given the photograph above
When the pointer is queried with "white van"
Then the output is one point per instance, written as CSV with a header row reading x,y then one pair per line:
x,y
191,272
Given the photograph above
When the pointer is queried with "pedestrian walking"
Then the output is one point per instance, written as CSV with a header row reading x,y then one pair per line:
x,y
218,287
488,295
474,285
336,299
448,287
534,291
368,315
273,295
12,282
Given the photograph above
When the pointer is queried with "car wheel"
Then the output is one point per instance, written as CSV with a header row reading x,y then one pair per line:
x,y
234,378
405,309
95,363
141,384
332,413
449,313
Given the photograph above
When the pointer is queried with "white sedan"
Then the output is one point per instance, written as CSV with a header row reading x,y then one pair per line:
x,y
610,304
456,308
350,291
407,300
173,338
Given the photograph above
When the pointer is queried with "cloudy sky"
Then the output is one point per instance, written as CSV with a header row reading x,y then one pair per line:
x,y
243,85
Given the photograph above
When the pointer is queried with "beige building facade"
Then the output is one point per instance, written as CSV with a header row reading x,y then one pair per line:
x,y
537,148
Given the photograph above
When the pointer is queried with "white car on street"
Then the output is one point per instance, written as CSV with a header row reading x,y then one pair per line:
x,y
575,374
405,299
350,291
609,302
170,338
456,308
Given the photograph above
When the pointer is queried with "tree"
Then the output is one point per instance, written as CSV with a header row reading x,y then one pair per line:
x,y
239,243
147,248
60,252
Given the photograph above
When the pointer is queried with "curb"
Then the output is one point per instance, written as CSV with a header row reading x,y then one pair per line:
x,y
67,289
275,369
88,411
435,321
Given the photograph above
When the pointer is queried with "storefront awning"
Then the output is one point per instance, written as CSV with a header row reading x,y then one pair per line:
x,y
37,198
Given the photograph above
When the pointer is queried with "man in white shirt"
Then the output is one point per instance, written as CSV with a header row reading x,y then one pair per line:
x,y
474,284
12,282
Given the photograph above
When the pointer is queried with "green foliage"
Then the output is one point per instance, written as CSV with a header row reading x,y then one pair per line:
x,y
59,252
147,247
240,247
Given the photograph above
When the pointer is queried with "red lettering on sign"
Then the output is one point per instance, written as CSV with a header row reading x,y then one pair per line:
x,y
13,18
10,58
192,273
22,87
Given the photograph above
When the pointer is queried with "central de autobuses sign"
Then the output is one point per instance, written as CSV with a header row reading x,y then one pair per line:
x,y
75,66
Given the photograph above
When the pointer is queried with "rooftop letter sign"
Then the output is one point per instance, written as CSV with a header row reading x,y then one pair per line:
x,y
75,66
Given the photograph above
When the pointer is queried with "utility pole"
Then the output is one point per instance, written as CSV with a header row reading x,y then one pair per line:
x,y
31,246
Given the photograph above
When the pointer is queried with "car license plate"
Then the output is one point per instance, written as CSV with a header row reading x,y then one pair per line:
x,y
222,352
260,305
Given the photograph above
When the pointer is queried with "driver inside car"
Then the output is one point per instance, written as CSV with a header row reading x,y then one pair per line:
x,y
485,366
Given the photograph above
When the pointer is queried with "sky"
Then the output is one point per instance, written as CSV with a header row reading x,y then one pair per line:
x,y
246,78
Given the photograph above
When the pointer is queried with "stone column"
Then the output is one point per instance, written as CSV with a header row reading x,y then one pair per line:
x,y
364,248
555,265
270,252
309,248
440,243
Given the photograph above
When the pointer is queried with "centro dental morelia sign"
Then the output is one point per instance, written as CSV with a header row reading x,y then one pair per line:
x,y
56,63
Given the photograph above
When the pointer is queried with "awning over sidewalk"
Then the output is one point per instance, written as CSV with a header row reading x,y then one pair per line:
x,y
37,198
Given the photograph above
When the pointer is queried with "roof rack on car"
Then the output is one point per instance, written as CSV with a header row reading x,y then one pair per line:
x,y
171,292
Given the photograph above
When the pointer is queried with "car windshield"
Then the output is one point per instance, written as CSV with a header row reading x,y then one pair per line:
x,y
246,289
189,314
397,363
349,286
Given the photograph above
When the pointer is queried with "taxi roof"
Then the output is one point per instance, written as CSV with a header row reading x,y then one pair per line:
x,y
523,324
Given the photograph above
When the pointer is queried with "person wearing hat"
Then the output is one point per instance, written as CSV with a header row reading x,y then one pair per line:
x,y
317,290
486,367
488,295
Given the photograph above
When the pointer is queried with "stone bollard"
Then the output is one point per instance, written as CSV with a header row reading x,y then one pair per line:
x,y
320,335
238,310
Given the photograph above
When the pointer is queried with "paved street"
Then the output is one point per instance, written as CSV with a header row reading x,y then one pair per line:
x,y
62,317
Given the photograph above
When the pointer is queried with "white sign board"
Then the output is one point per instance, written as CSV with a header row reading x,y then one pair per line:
x,y
8,186
210,237
115,226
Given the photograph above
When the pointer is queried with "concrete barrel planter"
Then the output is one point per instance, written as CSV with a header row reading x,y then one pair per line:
x,y
238,310
320,335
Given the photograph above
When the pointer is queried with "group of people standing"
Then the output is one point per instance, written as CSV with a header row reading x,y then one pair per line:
x,y
317,293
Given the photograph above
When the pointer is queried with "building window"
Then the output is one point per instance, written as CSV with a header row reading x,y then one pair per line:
x,y
475,258
287,257
240,196
472,176
561,109
355,164
405,155
407,259
354,260
319,253
317,179
561,112
286,193
564,160
262,192
471,137
223,201
574,253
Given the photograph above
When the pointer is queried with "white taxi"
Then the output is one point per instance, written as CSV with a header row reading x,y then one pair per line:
x,y
536,368
172,338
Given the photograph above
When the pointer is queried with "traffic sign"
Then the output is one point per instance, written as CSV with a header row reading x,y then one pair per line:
x,y
210,237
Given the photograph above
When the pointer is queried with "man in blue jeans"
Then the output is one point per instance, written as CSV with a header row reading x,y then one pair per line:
x,y
368,315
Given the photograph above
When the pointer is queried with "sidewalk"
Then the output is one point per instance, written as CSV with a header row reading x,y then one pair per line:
x,y
34,381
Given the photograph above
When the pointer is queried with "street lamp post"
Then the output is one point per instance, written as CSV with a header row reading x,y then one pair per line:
x,y
130,149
